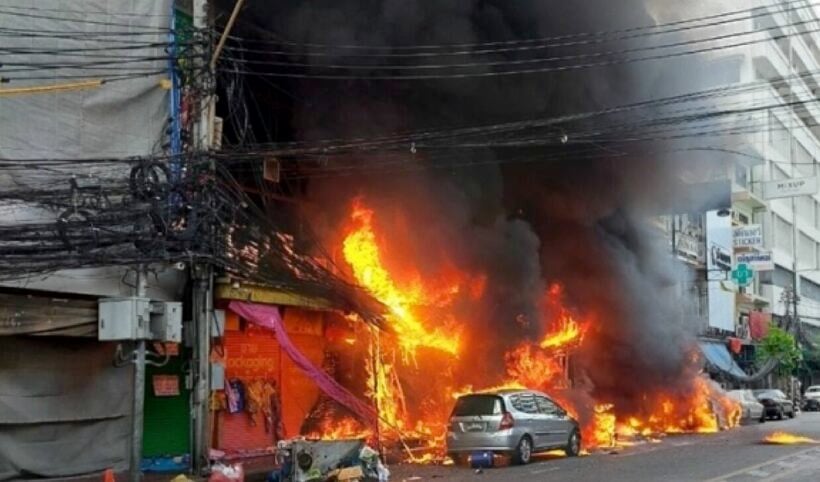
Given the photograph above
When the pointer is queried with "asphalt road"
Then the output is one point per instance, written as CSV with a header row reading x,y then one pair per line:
x,y
733,456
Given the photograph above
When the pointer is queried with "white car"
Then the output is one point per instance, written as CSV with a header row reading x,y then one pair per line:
x,y
811,399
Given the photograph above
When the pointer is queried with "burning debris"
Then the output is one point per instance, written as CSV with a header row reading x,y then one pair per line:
x,y
783,438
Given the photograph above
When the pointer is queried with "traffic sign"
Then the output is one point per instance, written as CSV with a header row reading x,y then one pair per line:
x,y
743,275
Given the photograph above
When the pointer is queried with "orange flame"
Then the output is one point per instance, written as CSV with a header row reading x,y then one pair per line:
x,y
783,438
363,254
540,364
570,332
345,429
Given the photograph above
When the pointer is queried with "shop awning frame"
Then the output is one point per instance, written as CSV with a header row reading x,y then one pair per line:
x,y
718,357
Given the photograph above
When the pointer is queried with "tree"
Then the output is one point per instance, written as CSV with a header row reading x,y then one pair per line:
x,y
781,346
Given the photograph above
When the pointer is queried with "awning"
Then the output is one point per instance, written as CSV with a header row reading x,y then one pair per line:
x,y
718,356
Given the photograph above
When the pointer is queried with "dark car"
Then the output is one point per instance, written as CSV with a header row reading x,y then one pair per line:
x,y
776,403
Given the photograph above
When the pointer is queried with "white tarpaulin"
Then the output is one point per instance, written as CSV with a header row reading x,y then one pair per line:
x,y
64,407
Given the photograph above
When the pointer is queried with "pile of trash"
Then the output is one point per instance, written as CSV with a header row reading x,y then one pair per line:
x,y
302,460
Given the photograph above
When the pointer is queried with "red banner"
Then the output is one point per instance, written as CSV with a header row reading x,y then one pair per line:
x,y
759,324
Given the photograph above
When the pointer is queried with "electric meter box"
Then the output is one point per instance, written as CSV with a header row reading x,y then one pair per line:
x,y
124,319
166,321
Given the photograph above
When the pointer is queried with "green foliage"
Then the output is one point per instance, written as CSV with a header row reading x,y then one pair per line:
x,y
781,346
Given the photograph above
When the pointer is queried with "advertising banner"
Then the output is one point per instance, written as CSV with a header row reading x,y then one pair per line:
x,y
757,260
719,243
750,236
806,186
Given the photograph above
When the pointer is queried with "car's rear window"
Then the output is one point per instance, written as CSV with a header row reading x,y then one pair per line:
x,y
813,389
770,393
473,405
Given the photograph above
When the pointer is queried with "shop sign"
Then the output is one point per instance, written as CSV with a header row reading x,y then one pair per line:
x,y
758,260
166,385
806,186
750,236
690,246
743,275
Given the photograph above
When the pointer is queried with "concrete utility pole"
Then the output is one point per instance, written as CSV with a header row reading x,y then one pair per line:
x,y
201,274
795,232
137,414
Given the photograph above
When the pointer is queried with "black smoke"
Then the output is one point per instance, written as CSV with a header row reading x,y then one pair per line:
x,y
580,221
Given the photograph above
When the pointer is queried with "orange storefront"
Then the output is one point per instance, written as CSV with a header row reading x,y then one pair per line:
x,y
252,356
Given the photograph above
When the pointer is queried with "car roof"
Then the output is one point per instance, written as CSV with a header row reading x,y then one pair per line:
x,y
505,391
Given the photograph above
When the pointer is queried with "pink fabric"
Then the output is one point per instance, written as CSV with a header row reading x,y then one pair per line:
x,y
268,316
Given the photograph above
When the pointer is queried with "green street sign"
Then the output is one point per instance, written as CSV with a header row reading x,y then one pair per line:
x,y
743,275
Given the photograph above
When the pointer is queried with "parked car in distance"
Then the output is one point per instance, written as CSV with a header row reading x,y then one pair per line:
x,y
776,403
752,410
811,399
518,423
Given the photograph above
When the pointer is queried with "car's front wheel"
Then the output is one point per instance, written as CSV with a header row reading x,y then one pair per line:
x,y
523,452
573,447
780,413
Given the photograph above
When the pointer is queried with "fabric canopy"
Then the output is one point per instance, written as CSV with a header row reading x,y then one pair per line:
x,y
718,356
268,316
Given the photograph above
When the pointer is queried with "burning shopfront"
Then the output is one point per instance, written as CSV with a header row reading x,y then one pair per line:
x,y
394,385
509,254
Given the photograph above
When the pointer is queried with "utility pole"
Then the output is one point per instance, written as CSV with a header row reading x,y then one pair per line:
x,y
201,274
795,231
137,414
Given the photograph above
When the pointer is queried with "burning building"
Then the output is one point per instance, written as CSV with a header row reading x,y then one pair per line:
x,y
498,213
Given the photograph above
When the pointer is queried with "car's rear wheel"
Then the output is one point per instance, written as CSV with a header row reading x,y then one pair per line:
x,y
780,413
793,413
573,447
763,416
523,452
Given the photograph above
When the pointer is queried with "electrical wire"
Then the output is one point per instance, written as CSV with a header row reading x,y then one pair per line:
x,y
539,70
603,36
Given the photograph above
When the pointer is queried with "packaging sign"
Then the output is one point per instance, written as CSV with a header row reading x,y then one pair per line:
x,y
757,260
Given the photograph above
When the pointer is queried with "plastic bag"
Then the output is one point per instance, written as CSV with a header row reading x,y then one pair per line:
x,y
227,473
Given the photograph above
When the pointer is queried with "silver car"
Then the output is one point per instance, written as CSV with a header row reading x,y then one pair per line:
x,y
753,411
514,422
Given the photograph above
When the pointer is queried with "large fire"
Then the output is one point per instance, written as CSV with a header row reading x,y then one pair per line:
x,y
362,252
540,364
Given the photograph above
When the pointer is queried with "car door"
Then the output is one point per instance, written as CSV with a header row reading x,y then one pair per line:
x,y
556,424
755,408
528,417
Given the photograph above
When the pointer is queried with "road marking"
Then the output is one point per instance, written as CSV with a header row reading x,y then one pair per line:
x,y
747,470
543,471
758,473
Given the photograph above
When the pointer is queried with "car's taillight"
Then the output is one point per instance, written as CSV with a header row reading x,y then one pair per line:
x,y
507,421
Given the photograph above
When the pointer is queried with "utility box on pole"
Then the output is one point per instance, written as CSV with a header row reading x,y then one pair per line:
x,y
120,319
135,318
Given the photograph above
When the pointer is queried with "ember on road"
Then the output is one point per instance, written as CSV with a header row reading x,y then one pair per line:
x,y
731,456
